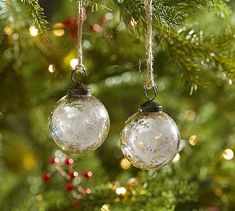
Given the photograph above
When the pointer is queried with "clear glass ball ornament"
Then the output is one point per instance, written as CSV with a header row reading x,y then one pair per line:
x,y
150,139
79,124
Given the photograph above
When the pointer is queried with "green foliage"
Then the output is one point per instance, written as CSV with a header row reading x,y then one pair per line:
x,y
37,13
194,42
180,33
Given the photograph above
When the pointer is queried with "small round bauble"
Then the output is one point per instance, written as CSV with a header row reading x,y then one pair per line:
x,y
79,122
150,138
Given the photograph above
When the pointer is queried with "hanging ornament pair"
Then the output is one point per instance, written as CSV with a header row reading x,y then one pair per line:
x,y
80,122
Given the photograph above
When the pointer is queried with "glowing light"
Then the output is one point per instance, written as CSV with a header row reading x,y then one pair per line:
x,y
8,30
176,158
121,191
132,182
125,164
33,31
58,32
105,207
58,29
109,16
133,22
193,140
228,154
15,36
73,63
39,198
51,68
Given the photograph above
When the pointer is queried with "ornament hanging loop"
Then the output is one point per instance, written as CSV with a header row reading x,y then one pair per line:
x,y
154,93
81,69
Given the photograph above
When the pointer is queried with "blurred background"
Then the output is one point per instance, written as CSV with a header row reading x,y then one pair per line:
x,y
194,70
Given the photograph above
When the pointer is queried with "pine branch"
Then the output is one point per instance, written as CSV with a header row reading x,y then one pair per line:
x,y
197,54
171,13
37,13
95,5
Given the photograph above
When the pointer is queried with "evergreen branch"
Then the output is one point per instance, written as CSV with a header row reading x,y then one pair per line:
x,y
210,55
171,13
37,13
181,41
96,5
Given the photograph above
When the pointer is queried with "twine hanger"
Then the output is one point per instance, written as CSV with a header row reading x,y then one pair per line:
x,y
149,44
80,67
80,20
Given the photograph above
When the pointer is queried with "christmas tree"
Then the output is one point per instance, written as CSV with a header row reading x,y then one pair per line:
x,y
194,69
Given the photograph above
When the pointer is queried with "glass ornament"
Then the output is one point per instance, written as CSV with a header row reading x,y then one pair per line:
x,y
150,138
79,122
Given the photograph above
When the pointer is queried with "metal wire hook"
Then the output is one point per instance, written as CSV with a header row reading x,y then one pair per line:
x,y
78,68
154,93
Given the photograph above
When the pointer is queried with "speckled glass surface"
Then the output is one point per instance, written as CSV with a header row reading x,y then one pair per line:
x,y
79,124
150,139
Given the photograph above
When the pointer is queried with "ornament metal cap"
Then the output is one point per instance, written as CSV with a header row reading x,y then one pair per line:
x,y
79,89
150,106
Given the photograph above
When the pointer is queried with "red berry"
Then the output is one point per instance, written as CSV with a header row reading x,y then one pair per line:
x,y
86,190
54,160
102,20
45,177
95,28
75,203
87,174
68,161
73,174
69,186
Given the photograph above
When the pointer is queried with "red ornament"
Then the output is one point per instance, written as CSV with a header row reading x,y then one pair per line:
x,y
68,161
69,186
45,177
54,160
86,191
73,174
87,174
75,203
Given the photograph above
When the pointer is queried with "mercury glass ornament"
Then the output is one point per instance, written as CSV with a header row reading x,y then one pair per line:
x,y
79,121
150,138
